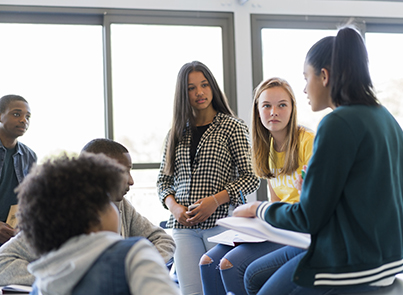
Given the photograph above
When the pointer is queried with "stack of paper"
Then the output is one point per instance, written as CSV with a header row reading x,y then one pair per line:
x,y
232,237
252,230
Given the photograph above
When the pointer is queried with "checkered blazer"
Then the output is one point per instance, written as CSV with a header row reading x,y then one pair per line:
x,y
222,161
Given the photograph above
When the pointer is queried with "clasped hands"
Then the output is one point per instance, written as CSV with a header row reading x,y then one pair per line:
x,y
190,218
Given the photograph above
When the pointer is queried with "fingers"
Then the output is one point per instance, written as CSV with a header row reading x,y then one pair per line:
x,y
199,217
298,182
240,211
247,210
6,232
180,214
183,220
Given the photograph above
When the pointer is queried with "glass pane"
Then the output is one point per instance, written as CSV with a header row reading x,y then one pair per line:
x,y
385,61
58,69
145,63
284,52
143,196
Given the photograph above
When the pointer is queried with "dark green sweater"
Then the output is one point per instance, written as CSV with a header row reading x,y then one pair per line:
x,y
351,200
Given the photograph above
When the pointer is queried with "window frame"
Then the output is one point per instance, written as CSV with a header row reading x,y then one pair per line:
x,y
106,17
263,21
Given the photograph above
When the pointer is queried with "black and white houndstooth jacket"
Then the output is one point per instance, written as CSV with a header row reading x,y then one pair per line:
x,y
222,161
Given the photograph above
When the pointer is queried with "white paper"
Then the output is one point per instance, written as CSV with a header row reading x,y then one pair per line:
x,y
263,230
230,237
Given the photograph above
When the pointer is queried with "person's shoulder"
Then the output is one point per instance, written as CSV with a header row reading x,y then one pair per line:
x,y
141,248
356,111
354,116
305,133
306,139
336,117
346,122
131,241
26,149
17,242
125,205
230,120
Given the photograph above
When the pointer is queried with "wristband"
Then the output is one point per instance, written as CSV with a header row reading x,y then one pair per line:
x,y
218,204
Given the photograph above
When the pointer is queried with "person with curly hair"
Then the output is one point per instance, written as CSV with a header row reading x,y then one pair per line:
x,y
15,255
67,215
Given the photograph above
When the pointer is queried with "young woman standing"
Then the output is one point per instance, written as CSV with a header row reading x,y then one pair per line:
x,y
206,162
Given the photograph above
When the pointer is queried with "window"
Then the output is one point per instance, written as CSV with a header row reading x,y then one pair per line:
x,y
280,43
144,70
384,51
145,62
90,73
289,63
58,70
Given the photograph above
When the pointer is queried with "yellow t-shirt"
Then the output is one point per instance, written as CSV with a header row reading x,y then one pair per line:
x,y
283,185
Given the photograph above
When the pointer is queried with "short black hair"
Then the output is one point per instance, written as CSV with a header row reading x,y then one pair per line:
x,y
105,146
7,99
63,197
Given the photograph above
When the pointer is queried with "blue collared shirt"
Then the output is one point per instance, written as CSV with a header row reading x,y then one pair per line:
x,y
23,159
20,162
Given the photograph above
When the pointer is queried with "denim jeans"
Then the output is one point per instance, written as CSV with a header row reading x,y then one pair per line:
x,y
272,274
191,244
216,281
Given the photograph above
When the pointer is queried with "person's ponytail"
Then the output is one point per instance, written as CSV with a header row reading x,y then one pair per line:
x,y
350,79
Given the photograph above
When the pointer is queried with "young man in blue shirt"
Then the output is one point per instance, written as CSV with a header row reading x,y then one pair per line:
x,y
15,158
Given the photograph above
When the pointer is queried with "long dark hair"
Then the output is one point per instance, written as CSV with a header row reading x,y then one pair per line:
x,y
345,57
183,113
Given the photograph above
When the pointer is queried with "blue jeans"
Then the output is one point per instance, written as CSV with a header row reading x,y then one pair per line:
x,y
272,274
216,281
191,244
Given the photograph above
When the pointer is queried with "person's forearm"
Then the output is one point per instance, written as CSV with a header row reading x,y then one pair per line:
x,y
15,255
170,201
14,271
222,197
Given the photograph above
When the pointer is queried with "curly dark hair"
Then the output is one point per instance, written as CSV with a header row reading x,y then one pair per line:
x,y
62,198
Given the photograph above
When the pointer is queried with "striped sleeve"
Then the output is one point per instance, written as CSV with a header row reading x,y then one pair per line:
x,y
261,210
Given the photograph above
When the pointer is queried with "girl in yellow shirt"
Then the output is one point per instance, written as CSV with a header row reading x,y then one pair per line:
x,y
280,148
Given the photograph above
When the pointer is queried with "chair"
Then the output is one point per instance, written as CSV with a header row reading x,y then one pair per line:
x,y
170,264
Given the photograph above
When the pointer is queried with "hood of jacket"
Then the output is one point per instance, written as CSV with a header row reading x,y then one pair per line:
x,y
57,272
